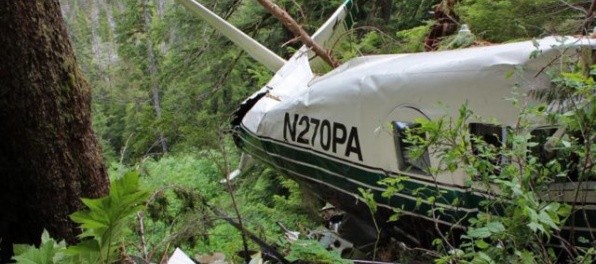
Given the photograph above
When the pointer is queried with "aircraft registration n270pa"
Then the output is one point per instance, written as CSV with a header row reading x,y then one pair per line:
x,y
344,130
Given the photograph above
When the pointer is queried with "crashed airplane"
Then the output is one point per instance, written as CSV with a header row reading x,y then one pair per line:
x,y
345,130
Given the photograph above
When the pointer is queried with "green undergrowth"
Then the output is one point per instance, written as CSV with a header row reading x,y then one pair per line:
x,y
165,204
104,224
185,186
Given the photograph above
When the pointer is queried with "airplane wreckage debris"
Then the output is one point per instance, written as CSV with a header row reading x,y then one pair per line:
x,y
345,131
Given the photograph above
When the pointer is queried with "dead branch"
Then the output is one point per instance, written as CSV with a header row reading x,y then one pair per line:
x,y
140,216
291,24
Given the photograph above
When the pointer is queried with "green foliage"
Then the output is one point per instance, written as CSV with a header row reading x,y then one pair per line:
x,y
412,40
202,78
48,252
265,197
520,218
105,226
106,222
504,20
311,251
393,185
458,41
394,16
176,214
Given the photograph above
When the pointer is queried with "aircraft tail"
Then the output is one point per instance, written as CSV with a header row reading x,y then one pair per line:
x,y
331,31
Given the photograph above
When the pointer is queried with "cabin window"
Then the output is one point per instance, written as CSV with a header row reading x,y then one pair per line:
x,y
492,136
541,151
405,162
497,136
541,135
545,154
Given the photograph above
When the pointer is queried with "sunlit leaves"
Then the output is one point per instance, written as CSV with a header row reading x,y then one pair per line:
x,y
105,224
48,252
106,220
312,251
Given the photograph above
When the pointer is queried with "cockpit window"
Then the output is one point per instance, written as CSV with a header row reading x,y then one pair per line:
x,y
403,146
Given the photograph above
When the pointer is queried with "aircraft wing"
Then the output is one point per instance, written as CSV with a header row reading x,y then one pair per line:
x,y
248,44
326,36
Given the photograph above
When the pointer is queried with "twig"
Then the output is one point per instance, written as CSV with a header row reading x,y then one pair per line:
x,y
573,7
300,10
123,150
234,203
164,257
140,216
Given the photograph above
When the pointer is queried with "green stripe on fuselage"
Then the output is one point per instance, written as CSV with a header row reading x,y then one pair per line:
x,y
307,165
304,163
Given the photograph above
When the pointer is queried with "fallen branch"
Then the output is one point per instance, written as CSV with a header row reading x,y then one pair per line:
x,y
291,24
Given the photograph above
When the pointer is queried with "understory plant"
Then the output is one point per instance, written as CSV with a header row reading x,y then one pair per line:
x,y
104,224
519,220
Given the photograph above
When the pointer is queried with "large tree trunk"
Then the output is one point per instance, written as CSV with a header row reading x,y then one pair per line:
x,y
49,156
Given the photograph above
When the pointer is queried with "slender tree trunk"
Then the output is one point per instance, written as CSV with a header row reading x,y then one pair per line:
x,y
49,156
153,73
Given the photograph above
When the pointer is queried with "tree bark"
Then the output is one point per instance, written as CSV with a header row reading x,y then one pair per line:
x,y
49,156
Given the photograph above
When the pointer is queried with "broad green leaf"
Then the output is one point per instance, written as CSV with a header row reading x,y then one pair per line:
x,y
43,255
483,256
546,219
482,244
495,227
479,233
536,226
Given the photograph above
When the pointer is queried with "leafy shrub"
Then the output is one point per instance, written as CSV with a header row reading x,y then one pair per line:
x,y
517,225
176,214
311,251
105,225
504,20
